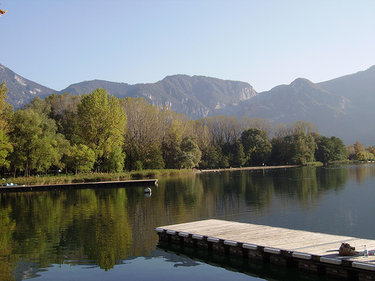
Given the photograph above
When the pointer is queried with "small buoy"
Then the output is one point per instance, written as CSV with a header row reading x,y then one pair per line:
x,y
147,190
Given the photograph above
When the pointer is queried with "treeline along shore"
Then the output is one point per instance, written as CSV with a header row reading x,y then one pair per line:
x,y
96,132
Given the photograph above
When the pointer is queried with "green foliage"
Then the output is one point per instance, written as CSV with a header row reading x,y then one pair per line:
x,y
115,160
303,149
329,149
281,150
339,149
63,109
224,162
171,145
35,141
138,166
238,155
3,105
213,157
190,154
365,156
81,158
101,124
154,158
5,149
257,146
96,131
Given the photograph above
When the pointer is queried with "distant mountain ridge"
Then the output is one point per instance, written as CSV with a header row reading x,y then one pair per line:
x,y
194,96
342,107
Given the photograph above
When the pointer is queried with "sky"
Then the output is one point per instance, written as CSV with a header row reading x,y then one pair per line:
x,y
265,43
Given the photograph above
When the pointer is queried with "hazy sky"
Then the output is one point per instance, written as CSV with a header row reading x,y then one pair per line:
x,y
266,43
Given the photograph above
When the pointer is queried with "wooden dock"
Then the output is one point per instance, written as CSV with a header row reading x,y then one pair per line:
x,y
310,251
103,184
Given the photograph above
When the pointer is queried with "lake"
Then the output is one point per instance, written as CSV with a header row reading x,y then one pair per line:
x,y
108,234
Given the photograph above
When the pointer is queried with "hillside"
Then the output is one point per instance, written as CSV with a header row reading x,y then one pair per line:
x,y
194,96
342,107
21,90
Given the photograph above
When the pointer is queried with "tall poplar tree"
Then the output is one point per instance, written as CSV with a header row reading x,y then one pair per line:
x,y
101,126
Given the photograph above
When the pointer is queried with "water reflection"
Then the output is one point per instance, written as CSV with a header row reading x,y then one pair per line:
x,y
104,227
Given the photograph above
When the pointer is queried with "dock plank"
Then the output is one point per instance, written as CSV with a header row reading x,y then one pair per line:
x,y
299,244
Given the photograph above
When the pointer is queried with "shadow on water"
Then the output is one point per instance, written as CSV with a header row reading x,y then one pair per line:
x,y
183,256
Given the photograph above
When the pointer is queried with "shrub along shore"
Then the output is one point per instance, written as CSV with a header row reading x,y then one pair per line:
x,y
145,174
94,177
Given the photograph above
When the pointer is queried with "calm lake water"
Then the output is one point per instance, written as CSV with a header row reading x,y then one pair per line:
x,y
108,234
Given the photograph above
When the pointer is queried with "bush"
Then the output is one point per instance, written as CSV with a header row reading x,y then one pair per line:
x,y
138,166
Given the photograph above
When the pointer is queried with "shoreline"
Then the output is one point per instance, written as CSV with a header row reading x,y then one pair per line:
x,y
83,185
248,168
53,185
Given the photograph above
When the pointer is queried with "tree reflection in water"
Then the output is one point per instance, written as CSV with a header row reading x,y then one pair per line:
x,y
107,226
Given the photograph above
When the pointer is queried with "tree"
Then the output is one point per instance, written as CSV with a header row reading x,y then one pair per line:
x,y
5,145
303,148
257,146
154,158
371,149
171,145
339,149
238,154
359,150
324,151
223,129
5,149
81,158
63,109
115,160
101,124
190,154
281,150
146,127
35,141
211,159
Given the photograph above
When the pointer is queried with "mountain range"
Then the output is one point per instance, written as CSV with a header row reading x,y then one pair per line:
x,y
342,107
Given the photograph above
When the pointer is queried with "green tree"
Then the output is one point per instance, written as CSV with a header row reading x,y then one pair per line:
x,y
190,154
101,124
238,154
5,149
35,141
303,143
324,151
303,148
115,161
211,159
5,145
281,150
256,145
339,149
171,145
81,158
154,158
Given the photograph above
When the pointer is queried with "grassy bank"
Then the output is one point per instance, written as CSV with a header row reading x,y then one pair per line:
x,y
94,177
